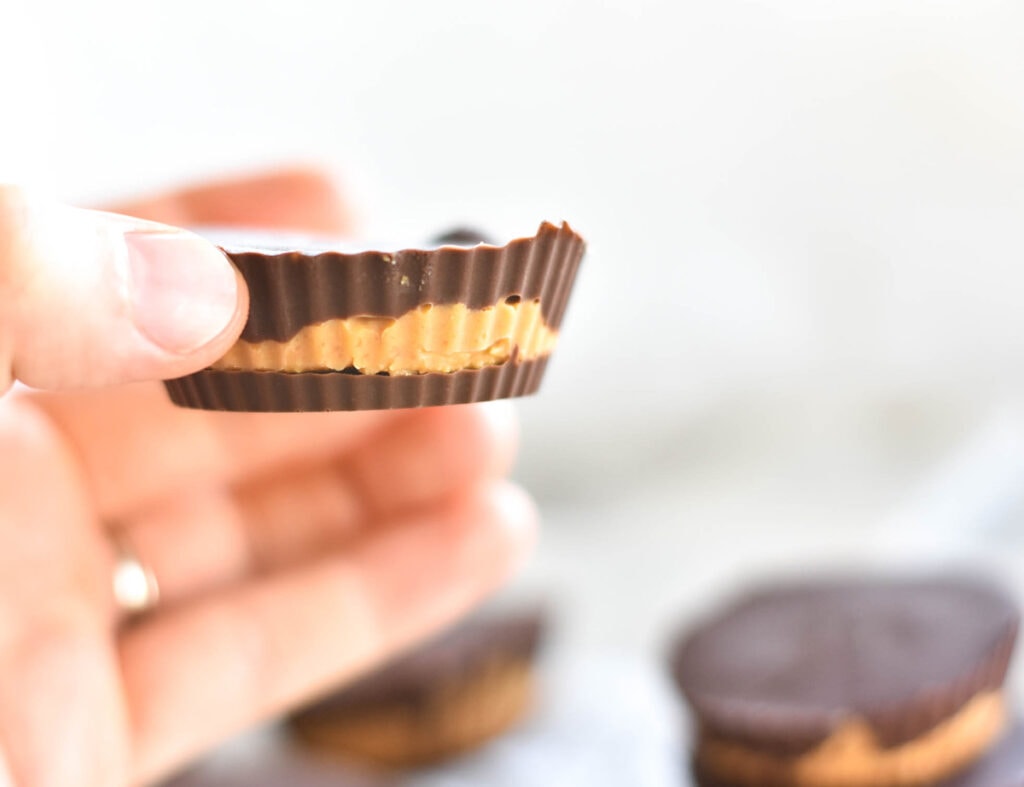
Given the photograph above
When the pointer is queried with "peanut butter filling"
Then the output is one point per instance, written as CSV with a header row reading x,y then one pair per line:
x,y
853,757
459,717
431,338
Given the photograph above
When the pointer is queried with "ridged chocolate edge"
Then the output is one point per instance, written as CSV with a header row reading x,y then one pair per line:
x,y
291,290
896,727
892,728
278,392
929,709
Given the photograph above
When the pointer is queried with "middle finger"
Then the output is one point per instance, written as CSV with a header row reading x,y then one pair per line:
x,y
218,535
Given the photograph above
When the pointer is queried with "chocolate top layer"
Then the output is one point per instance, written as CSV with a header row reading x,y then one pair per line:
x,y
337,284
449,658
1003,767
783,668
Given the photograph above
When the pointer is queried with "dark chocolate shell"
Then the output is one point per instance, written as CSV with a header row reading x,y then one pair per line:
x,y
293,287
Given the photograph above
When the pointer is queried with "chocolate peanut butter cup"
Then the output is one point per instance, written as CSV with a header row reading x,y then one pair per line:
x,y
848,683
454,322
449,696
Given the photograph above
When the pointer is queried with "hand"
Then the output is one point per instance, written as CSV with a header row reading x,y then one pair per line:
x,y
292,551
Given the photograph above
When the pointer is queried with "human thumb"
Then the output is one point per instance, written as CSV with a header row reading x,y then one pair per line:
x,y
90,298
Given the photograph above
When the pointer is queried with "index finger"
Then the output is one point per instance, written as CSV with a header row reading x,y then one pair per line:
x,y
302,199
135,447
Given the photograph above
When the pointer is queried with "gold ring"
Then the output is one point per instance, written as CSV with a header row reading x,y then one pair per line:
x,y
135,587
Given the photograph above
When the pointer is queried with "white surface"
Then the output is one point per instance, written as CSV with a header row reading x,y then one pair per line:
x,y
602,721
816,199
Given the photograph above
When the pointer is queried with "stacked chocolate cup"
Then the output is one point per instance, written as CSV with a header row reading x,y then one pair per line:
x,y
856,683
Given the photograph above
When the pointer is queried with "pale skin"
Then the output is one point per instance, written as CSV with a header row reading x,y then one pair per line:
x,y
293,552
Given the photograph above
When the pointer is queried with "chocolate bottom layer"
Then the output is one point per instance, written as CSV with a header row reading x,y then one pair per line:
x,y
275,392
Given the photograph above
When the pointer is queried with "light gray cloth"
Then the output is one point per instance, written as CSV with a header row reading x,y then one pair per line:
x,y
601,720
